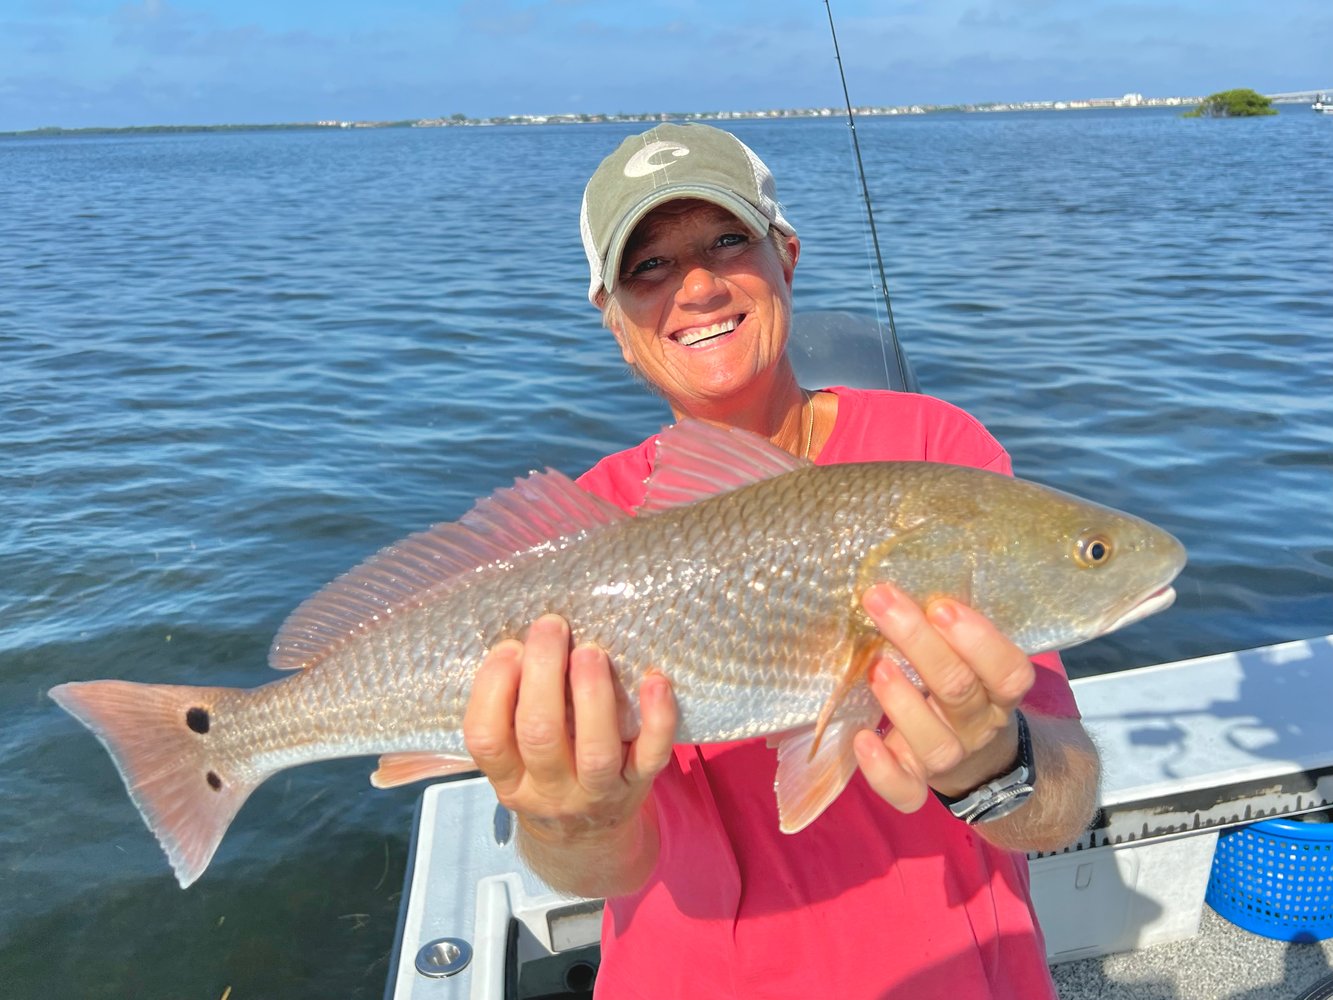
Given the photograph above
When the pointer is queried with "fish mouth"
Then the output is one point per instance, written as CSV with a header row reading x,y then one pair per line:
x,y
694,335
1157,600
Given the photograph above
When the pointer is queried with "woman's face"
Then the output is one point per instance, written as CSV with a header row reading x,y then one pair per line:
x,y
705,306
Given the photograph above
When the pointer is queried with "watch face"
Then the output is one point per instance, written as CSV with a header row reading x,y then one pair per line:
x,y
1002,795
1009,801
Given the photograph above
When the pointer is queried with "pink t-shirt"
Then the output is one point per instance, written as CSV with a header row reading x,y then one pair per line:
x,y
865,902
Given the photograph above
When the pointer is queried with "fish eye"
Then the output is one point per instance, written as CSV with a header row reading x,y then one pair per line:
x,y
1092,550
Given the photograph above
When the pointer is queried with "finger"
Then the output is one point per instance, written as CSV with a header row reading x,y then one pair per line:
x,y
599,753
896,778
651,750
951,680
539,719
488,723
917,726
1004,670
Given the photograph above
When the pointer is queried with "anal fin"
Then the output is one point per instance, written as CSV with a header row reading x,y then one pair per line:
x,y
404,768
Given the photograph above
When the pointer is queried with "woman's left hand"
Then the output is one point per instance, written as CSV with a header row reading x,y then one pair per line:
x,y
961,731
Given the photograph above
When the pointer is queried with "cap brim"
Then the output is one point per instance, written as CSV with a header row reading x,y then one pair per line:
x,y
755,220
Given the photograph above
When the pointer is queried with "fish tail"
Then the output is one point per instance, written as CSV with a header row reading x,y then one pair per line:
x,y
157,735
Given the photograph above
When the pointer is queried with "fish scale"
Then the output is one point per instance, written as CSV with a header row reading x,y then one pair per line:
x,y
740,580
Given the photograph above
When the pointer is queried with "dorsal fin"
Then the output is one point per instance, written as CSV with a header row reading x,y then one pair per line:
x,y
697,460
533,512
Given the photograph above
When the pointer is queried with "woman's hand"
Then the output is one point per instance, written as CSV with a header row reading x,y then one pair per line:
x,y
961,732
543,724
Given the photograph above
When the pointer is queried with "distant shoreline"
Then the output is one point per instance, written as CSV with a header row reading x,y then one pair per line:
x,y
461,121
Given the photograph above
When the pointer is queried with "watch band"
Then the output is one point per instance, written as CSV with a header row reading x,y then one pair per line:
x,y
1002,795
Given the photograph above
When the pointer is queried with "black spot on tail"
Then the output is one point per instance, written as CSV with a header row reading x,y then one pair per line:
x,y
214,782
197,719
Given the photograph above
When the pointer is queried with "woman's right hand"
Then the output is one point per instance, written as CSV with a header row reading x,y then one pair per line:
x,y
569,785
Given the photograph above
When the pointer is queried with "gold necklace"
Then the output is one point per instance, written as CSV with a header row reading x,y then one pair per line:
x,y
810,434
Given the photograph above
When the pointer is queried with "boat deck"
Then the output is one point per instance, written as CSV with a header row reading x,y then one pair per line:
x,y
1188,749
1223,962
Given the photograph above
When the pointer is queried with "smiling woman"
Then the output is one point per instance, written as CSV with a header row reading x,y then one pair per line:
x,y
692,261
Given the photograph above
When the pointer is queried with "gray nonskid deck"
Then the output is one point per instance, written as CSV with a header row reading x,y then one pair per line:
x,y
1223,962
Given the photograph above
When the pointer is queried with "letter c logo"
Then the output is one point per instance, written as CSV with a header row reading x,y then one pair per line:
x,y
642,163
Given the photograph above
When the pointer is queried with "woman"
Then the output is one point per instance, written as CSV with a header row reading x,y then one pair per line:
x,y
890,892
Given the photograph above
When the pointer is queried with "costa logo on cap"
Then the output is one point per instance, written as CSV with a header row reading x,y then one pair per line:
x,y
643,163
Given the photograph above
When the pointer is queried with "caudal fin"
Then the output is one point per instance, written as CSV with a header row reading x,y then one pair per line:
x,y
157,734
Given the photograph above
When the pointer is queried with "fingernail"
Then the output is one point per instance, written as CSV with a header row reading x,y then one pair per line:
x,y
943,613
549,627
880,599
652,691
584,654
867,747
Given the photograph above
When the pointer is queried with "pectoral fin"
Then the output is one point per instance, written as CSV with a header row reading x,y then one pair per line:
x,y
863,644
403,768
865,649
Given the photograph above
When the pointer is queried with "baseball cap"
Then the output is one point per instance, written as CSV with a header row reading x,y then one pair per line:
x,y
665,163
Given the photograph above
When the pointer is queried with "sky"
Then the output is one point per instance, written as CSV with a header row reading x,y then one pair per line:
x,y
81,63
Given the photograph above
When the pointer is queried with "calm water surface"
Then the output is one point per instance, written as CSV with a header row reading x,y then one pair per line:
x,y
232,366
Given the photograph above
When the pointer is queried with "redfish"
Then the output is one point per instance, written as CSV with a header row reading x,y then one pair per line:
x,y
739,579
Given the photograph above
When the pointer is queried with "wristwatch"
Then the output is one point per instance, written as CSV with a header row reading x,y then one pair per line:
x,y
999,796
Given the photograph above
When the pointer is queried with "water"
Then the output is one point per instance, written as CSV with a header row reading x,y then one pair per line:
x,y
236,364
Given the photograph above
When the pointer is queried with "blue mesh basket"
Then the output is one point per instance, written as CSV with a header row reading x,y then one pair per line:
x,y
1275,878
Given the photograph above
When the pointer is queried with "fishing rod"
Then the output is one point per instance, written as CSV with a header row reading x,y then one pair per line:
x,y
870,214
